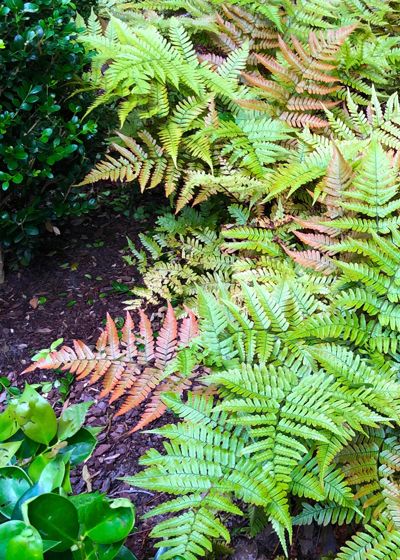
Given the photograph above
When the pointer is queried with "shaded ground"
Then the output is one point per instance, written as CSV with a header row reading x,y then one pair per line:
x,y
66,293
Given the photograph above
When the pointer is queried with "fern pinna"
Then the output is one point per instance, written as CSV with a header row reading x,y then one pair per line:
x,y
303,391
135,367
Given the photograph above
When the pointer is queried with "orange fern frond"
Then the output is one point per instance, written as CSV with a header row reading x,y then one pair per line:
x,y
253,105
338,179
146,333
326,46
189,327
128,337
156,408
126,382
301,120
268,86
134,366
141,389
311,259
314,223
112,349
306,77
275,68
315,240
297,103
167,339
214,60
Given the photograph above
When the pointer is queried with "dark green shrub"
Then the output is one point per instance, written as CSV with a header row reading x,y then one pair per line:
x,y
45,143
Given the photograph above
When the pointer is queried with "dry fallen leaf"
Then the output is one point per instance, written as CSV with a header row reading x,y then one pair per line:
x,y
34,302
87,478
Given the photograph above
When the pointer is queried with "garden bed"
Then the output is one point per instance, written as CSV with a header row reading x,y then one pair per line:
x,y
66,293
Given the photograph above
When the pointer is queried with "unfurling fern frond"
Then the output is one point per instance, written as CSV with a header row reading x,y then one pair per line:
x,y
136,366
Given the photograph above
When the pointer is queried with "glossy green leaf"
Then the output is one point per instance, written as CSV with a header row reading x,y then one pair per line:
x,y
31,7
49,545
80,446
105,521
14,482
50,479
125,554
52,475
56,519
7,451
72,419
19,541
38,464
36,416
8,424
90,550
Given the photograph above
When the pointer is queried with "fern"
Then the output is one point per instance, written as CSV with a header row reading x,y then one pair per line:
x,y
218,473
300,396
135,367
287,109
146,72
181,253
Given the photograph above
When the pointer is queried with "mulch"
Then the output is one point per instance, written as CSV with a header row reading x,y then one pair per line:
x,y
65,293
80,274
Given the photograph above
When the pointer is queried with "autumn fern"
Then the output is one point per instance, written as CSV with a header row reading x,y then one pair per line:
x,y
136,367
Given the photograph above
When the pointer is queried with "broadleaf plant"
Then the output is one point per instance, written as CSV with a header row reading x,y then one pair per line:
x,y
40,519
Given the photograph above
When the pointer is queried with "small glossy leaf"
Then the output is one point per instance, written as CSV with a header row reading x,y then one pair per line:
x,y
80,446
72,419
49,545
20,541
14,482
37,466
93,551
7,451
50,479
8,424
36,416
56,519
105,521
30,7
52,475
125,554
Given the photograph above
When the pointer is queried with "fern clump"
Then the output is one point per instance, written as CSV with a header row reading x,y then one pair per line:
x,y
279,122
158,77
181,253
301,391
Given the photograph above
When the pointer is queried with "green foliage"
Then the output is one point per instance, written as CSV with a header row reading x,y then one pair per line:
x,y
303,391
154,77
39,519
287,109
45,146
181,253
139,367
297,61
